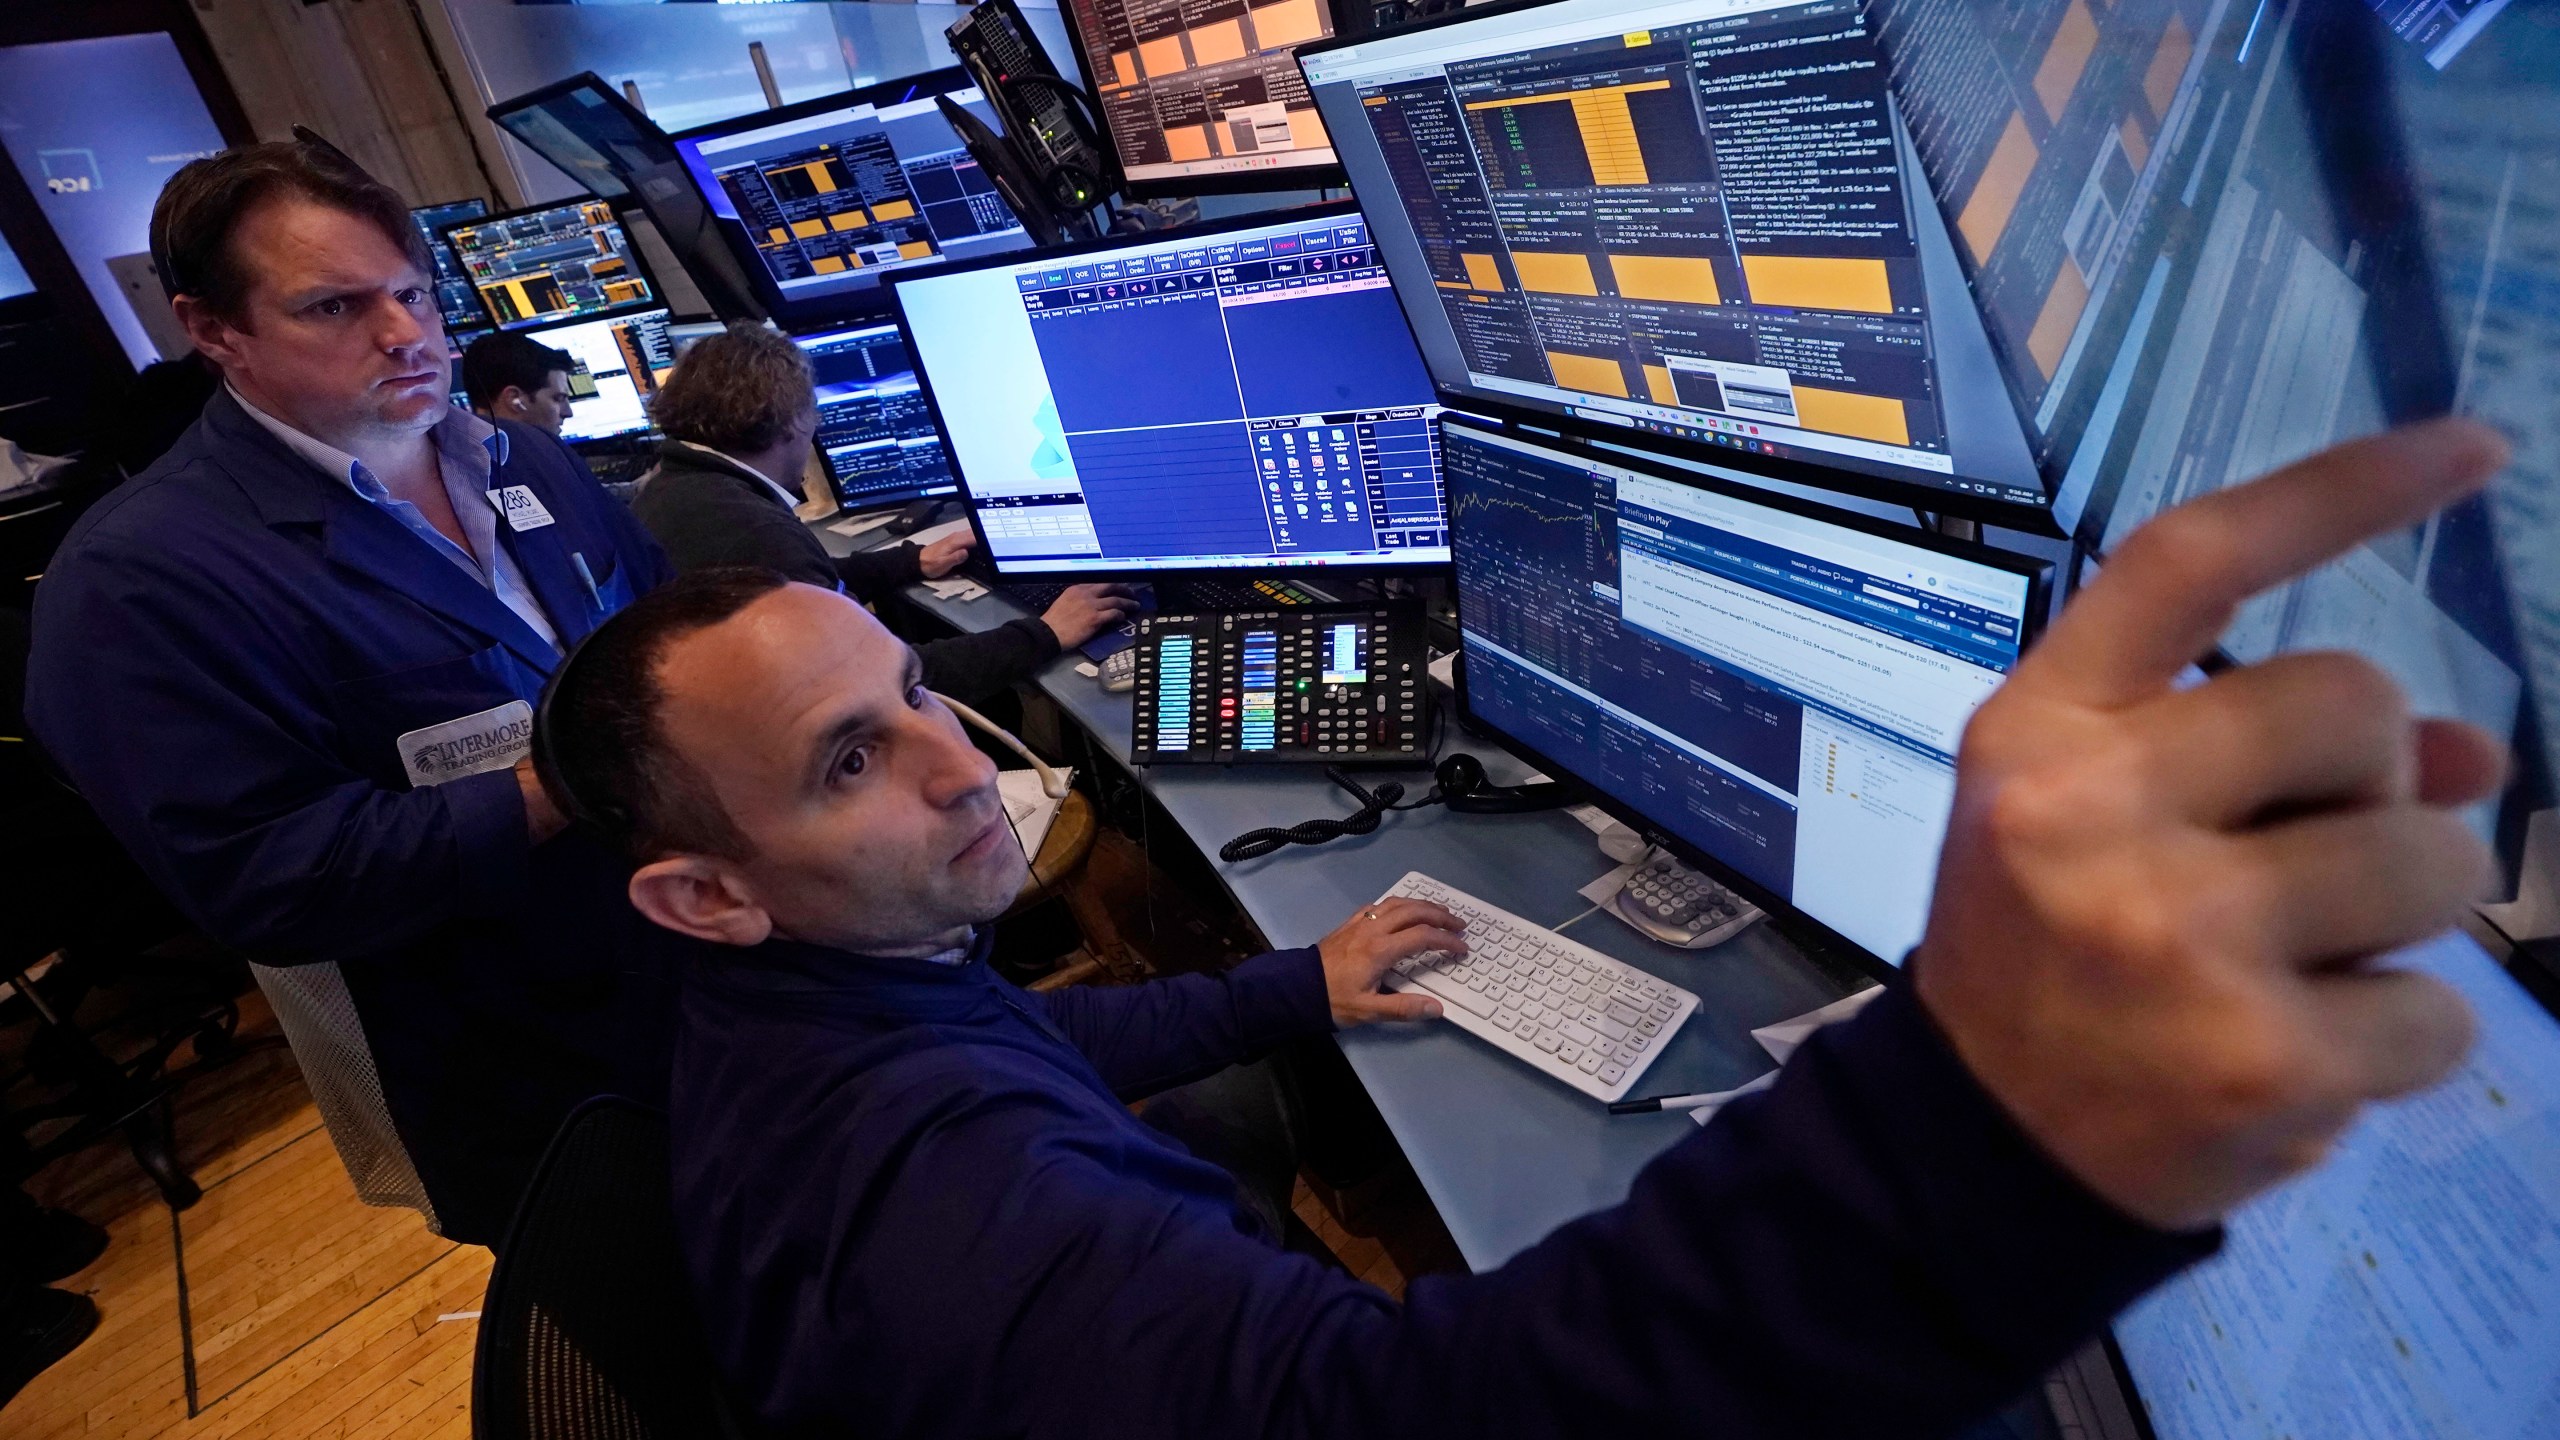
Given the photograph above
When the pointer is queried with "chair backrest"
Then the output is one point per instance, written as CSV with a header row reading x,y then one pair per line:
x,y
588,1332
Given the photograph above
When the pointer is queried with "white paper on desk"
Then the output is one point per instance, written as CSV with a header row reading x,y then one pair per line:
x,y
1781,1039
1722,1098
863,524
1028,806
955,589
1784,1039
1445,670
1606,888
928,536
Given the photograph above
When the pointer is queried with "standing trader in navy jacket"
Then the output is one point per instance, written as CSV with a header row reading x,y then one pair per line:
x,y
293,665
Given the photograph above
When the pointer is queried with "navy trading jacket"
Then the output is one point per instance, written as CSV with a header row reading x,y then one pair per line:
x,y
913,1202
257,677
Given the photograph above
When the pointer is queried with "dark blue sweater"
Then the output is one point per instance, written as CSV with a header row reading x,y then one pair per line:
x,y
915,1205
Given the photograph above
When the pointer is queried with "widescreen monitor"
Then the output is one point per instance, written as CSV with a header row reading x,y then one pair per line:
x,y
456,299
2405,1288
1691,226
549,263
822,199
1206,97
588,133
1236,396
1776,688
620,362
875,432
2210,240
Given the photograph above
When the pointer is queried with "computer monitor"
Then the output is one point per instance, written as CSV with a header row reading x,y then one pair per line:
x,y
822,199
621,361
2406,1287
588,133
1774,688
875,433
1202,98
550,262
2210,241
1237,396
586,130
1691,226
456,300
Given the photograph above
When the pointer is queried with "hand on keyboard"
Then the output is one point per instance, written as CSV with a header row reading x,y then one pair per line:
x,y
1552,1004
1367,946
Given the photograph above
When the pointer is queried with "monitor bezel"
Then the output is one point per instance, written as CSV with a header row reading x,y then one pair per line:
x,y
834,309
583,80
797,335
1322,175
1800,925
657,292
1328,210
435,236
621,437
1817,474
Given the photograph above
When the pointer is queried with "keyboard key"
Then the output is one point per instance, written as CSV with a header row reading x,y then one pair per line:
x,y
1547,1043
1458,995
1588,1064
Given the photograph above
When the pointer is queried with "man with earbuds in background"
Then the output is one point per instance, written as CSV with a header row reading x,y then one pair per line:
x,y
516,377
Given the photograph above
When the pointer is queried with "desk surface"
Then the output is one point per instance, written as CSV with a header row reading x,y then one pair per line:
x,y
1506,1154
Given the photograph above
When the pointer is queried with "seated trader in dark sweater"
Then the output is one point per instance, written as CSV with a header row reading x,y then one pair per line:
x,y
913,1202
739,413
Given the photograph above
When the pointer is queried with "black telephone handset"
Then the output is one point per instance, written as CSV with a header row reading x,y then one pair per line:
x,y
1050,123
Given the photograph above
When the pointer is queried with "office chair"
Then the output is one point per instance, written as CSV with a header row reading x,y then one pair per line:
x,y
588,1331
78,896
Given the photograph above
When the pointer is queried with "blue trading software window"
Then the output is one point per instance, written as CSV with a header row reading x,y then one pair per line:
x,y
1249,397
1782,692
874,431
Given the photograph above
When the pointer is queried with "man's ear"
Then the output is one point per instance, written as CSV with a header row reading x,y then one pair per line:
x,y
701,898
498,403
213,336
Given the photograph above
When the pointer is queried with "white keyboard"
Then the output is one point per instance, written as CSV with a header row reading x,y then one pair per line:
x,y
1561,1008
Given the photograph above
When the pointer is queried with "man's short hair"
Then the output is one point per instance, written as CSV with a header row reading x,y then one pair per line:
x,y
736,392
495,362
200,210
599,747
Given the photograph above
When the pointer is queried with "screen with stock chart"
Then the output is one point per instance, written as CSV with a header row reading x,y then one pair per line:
x,y
1783,693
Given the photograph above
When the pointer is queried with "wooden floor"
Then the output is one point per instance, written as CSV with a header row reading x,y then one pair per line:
x,y
278,1306
282,1306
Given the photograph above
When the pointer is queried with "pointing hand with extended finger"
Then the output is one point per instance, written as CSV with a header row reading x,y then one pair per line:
x,y
2156,907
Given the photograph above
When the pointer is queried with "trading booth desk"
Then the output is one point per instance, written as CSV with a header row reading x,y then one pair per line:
x,y
1506,1154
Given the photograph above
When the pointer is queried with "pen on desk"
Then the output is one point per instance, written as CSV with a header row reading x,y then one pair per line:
x,y
579,559
1708,1101
1651,1103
